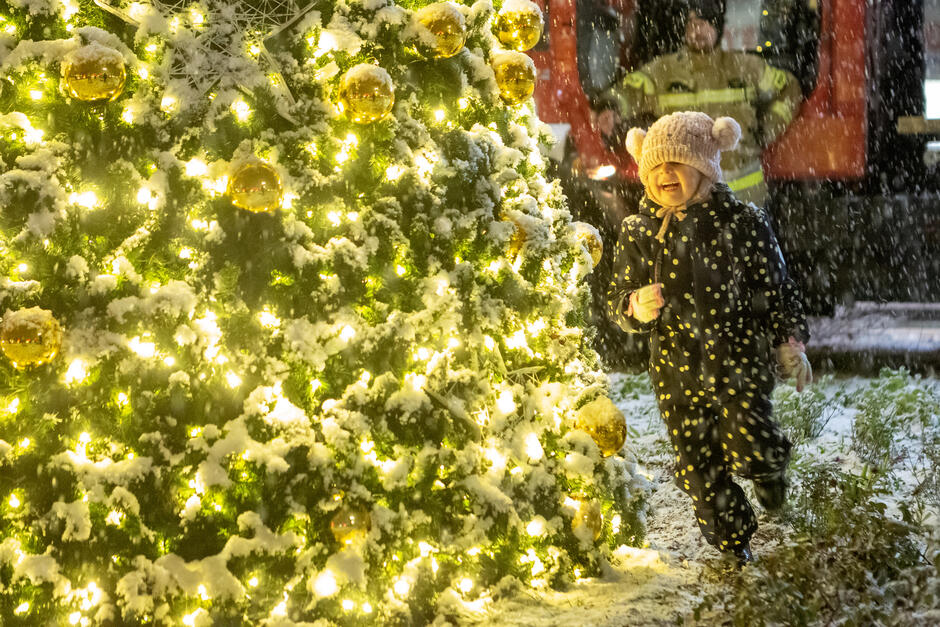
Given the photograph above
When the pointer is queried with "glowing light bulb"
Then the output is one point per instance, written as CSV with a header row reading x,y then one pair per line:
x,y
347,333
14,501
326,43
533,447
143,349
196,167
268,320
535,527
143,196
439,115
88,200
241,109
505,403
325,584
402,587
77,371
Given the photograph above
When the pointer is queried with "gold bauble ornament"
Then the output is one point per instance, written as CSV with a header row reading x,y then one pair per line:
x,y
443,30
518,238
590,238
588,522
94,73
515,76
350,524
605,423
256,187
518,25
30,337
366,93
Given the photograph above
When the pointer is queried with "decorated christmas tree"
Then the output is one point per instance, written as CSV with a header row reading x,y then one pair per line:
x,y
293,319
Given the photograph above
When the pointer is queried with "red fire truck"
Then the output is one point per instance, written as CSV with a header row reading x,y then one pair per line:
x,y
854,179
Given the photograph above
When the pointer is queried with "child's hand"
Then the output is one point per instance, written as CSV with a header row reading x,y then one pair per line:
x,y
792,361
646,302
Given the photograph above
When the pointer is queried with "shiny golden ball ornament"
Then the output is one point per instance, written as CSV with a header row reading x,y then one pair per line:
x,y
94,73
366,93
350,524
255,187
590,238
588,522
30,337
515,76
442,30
605,423
519,235
519,25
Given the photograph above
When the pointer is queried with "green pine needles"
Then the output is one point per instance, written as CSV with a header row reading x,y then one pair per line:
x,y
356,405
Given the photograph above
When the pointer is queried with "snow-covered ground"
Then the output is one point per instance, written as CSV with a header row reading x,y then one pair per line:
x,y
662,583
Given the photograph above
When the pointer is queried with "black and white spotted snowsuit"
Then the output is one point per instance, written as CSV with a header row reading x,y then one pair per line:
x,y
728,303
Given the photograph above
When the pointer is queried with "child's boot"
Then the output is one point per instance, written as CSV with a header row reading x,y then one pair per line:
x,y
737,557
771,493
743,555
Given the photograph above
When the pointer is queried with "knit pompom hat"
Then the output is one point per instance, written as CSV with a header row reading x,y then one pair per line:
x,y
688,137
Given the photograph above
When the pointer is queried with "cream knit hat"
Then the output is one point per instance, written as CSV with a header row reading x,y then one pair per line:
x,y
687,137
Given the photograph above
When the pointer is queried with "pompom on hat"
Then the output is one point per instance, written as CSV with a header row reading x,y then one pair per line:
x,y
688,137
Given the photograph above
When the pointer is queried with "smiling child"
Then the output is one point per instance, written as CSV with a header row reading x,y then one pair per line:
x,y
702,273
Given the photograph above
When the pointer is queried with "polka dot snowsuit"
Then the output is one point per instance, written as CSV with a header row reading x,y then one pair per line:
x,y
728,303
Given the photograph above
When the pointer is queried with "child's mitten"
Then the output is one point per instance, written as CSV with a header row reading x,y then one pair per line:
x,y
792,362
646,302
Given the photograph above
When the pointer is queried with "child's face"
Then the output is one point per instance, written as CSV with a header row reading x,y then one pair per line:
x,y
672,184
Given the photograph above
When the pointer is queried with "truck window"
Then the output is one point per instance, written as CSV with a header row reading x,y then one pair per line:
x,y
601,40
932,59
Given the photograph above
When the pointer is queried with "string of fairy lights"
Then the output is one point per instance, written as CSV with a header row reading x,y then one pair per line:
x,y
32,337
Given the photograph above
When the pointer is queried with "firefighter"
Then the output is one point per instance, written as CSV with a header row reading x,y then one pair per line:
x,y
702,274
703,77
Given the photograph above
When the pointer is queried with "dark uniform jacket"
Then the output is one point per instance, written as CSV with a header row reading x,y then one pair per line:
x,y
728,298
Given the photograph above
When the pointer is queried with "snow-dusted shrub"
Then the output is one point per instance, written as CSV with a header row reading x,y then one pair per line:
x,y
895,403
926,470
804,416
844,565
